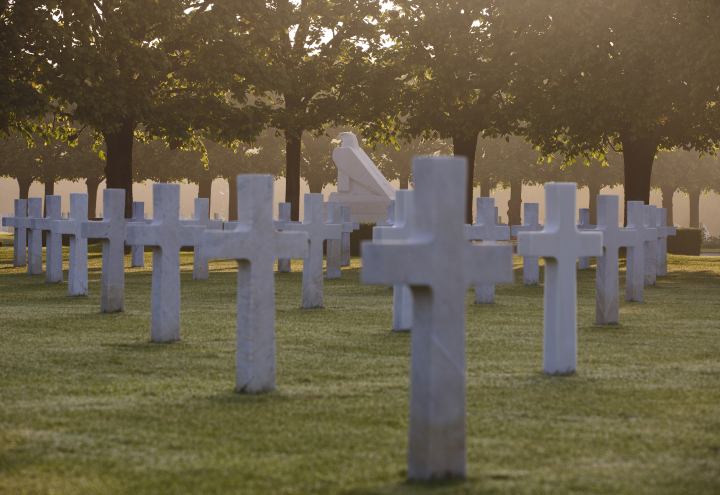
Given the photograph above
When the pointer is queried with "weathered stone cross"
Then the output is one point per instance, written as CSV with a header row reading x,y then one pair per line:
x,y
78,259
53,243
165,235
19,231
663,232
400,231
560,243
201,263
334,246
318,231
635,264
438,263
531,264
34,262
284,265
584,261
486,229
255,244
650,220
346,235
112,232
607,276
137,253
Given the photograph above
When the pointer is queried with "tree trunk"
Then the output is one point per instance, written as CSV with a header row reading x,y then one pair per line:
x,y
92,184
315,187
205,190
118,167
594,190
638,157
24,185
486,189
667,202
293,155
462,146
232,199
49,191
694,208
515,203
404,182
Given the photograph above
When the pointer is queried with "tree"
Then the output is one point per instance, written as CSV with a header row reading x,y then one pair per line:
x,y
451,63
692,174
113,65
635,77
511,163
594,175
317,166
21,162
395,160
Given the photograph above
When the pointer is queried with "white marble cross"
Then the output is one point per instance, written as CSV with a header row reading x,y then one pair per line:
x,y
318,231
165,235
663,232
34,237
650,220
438,263
284,265
137,253
201,263
560,243
531,264
19,231
346,235
607,277
584,261
112,232
256,244
486,229
53,243
635,263
390,215
78,258
334,246
400,231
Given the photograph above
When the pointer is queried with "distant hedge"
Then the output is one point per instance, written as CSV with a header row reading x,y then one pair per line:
x,y
364,234
686,241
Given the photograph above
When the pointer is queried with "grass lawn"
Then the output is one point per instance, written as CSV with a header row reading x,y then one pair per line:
x,y
89,405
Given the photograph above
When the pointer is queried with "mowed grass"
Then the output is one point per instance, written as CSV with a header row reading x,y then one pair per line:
x,y
89,405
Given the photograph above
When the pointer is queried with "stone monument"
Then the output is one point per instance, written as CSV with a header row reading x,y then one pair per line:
x,y
53,243
584,261
78,256
635,263
531,264
201,263
19,232
360,185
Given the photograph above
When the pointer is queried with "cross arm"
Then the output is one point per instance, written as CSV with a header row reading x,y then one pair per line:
x,y
333,231
101,230
491,263
138,234
291,245
393,263
11,222
41,224
70,227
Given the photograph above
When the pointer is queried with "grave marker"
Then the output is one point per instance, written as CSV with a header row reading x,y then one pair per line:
x,y
201,218
635,264
78,257
584,261
53,243
401,231
438,264
165,235
255,245
334,246
650,219
531,264
607,277
486,229
317,231
662,242
112,232
137,253
19,232
560,243
390,216
284,265
346,235
34,256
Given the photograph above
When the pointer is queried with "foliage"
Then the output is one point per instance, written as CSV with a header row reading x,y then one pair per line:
x,y
395,160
